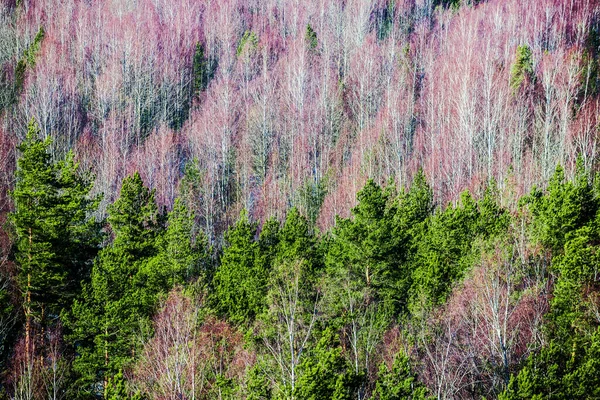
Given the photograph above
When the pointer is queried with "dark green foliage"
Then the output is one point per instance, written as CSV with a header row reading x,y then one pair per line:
x,y
241,281
445,250
493,219
364,245
20,76
267,247
567,206
375,249
311,37
125,285
397,255
55,238
297,242
181,257
411,214
81,236
417,204
203,70
27,61
443,246
240,287
568,366
522,68
116,389
562,370
41,278
134,219
326,375
257,385
577,272
399,383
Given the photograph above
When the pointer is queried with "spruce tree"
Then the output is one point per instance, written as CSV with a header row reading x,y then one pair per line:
x,y
80,232
297,242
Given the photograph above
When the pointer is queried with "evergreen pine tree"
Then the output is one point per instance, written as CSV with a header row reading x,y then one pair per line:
x,y
522,68
568,365
399,382
567,206
119,301
364,241
55,237
445,251
181,257
493,218
239,289
326,375
296,241
266,250
41,278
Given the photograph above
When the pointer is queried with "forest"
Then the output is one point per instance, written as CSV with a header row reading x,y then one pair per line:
x,y
299,200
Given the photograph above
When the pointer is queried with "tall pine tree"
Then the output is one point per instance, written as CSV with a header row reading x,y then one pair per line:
x,y
119,301
55,236
239,289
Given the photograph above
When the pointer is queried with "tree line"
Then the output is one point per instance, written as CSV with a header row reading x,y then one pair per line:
x,y
493,296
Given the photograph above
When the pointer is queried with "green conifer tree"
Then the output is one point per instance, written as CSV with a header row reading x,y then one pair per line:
x,y
565,207
311,37
297,242
363,241
522,68
568,366
55,236
239,288
41,278
181,257
445,251
117,305
326,375
399,382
